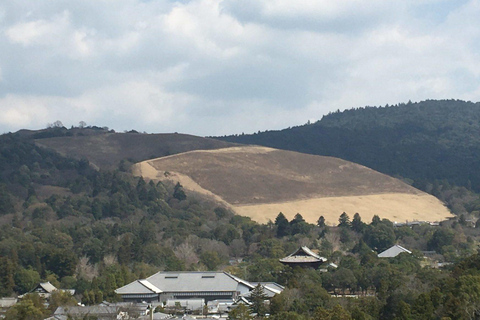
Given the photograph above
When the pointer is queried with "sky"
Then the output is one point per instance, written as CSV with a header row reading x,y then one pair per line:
x,y
219,67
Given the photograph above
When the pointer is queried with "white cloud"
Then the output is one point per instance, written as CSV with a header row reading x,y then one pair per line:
x,y
223,66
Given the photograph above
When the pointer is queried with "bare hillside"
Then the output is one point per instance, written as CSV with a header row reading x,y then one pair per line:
x,y
260,182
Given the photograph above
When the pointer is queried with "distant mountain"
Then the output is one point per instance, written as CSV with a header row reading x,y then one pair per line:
x,y
261,182
425,141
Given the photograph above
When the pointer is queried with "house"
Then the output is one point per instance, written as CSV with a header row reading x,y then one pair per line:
x,y
303,257
393,252
45,289
163,286
219,306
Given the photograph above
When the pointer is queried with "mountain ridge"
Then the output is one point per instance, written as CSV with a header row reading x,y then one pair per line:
x,y
424,141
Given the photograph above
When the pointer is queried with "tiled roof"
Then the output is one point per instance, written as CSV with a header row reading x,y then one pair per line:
x,y
303,254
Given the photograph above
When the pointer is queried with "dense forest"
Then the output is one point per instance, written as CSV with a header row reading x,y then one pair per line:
x,y
428,141
94,231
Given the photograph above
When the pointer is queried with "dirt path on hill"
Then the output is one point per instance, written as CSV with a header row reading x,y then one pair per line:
x,y
145,169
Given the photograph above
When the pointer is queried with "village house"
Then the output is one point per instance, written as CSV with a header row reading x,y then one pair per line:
x,y
45,290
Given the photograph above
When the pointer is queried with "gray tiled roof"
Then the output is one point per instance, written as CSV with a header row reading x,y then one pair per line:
x,y
303,254
184,282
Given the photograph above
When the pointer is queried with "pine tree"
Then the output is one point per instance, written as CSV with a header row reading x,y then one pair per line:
x,y
344,220
283,227
257,298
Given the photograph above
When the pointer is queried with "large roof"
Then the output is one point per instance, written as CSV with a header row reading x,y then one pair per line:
x,y
393,252
184,282
302,255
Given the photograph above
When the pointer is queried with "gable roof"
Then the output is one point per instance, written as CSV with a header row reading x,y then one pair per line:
x,y
393,252
303,254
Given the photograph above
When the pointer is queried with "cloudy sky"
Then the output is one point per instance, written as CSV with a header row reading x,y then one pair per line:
x,y
215,67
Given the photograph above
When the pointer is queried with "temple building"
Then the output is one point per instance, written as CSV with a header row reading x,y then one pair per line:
x,y
209,286
305,258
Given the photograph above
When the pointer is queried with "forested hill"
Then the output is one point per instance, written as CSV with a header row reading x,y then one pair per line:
x,y
424,141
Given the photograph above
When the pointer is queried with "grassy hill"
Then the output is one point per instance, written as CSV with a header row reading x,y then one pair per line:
x,y
261,182
106,149
425,141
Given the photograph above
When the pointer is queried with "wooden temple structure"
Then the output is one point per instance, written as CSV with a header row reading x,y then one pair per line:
x,y
303,257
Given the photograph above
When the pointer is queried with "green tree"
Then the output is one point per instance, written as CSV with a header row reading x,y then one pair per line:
x,y
299,225
380,236
357,224
6,202
344,220
321,222
26,280
7,272
179,193
31,307
336,313
241,312
210,259
441,237
344,278
61,298
283,227
257,298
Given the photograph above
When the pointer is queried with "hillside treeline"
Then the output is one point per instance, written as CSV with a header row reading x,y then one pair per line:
x,y
94,231
428,141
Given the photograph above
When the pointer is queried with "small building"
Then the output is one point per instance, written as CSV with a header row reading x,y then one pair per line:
x,y
45,290
303,257
185,305
393,252
219,306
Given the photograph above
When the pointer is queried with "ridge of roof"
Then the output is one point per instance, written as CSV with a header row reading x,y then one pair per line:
x,y
248,284
406,250
149,286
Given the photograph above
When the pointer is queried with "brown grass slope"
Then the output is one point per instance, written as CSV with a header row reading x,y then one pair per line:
x,y
260,182
107,150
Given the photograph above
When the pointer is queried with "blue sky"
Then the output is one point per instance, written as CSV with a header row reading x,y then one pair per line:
x,y
215,67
